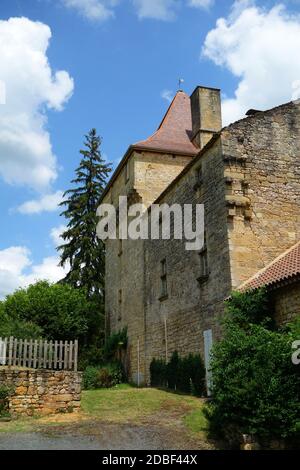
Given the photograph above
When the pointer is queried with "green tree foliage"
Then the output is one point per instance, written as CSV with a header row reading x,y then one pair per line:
x,y
250,307
115,344
13,326
82,250
54,311
255,384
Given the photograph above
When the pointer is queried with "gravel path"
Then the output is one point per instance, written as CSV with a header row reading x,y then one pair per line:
x,y
101,436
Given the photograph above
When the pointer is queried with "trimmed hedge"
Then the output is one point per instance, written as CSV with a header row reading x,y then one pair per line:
x,y
181,374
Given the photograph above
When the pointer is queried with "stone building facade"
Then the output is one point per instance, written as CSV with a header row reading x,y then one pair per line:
x,y
247,175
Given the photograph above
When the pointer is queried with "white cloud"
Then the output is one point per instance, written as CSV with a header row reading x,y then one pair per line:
x,y
47,203
296,90
17,269
156,9
167,95
47,270
56,233
102,10
200,3
166,9
261,48
26,155
95,10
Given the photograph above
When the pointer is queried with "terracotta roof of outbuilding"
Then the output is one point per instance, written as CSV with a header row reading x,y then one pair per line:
x,y
175,131
284,267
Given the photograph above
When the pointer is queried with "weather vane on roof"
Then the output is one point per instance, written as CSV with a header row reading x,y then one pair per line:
x,y
180,82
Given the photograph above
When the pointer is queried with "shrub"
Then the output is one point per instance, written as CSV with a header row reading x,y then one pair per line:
x,y
90,377
250,307
106,376
172,371
183,374
5,392
114,345
158,373
255,384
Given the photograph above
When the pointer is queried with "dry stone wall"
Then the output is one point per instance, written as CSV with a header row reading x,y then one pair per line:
x,y
42,391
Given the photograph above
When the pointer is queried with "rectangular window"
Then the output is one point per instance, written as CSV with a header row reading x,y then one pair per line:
x,y
120,295
120,251
127,172
198,178
203,264
199,175
163,279
204,269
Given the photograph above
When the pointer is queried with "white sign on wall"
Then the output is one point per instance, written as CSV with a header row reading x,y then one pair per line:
x,y
208,342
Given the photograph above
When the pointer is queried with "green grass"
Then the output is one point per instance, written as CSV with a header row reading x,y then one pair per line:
x,y
125,404
196,421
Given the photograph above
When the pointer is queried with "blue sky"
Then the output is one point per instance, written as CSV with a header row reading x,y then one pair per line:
x,y
117,63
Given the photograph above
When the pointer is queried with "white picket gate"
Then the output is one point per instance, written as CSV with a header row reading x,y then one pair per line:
x,y
3,348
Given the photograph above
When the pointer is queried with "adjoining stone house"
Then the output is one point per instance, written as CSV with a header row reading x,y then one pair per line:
x,y
247,175
281,278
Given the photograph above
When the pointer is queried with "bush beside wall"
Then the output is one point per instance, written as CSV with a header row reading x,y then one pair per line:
x,y
185,375
105,376
255,383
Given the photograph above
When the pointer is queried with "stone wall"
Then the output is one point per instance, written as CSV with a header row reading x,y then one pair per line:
x,y
149,174
42,391
250,187
286,302
262,171
193,305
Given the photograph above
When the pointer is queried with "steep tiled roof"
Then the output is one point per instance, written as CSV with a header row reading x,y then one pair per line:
x,y
286,266
175,131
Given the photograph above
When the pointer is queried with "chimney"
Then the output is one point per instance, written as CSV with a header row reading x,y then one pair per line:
x,y
206,114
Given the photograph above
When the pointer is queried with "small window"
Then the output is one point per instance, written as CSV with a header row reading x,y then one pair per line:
x,y
163,280
127,172
203,264
120,251
198,177
204,268
120,295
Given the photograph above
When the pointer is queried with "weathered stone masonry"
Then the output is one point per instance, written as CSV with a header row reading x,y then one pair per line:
x,y
250,185
42,391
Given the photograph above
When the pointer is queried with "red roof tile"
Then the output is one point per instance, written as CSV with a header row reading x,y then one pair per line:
x,y
175,131
286,266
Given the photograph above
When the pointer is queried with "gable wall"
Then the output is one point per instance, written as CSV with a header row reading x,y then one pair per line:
x,y
263,162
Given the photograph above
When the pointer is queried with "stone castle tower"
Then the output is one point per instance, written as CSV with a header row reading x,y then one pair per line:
x,y
247,177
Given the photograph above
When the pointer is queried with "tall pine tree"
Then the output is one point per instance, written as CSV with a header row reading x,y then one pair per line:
x,y
82,249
